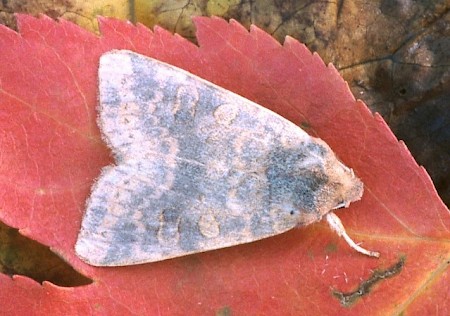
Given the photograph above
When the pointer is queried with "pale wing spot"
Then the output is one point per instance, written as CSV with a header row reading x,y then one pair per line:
x,y
225,114
208,226
158,97
185,101
168,232
138,220
214,137
176,107
282,219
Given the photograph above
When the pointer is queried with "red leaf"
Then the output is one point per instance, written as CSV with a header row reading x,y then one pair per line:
x,y
51,152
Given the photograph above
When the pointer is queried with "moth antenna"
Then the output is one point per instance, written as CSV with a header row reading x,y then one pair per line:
x,y
336,225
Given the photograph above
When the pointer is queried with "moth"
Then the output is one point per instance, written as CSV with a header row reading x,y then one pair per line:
x,y
199,168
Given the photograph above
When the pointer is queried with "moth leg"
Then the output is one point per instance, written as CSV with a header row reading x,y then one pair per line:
x,y
336,225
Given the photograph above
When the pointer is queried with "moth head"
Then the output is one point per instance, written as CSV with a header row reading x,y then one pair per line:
x,y
343,186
